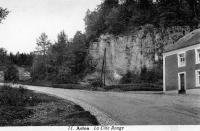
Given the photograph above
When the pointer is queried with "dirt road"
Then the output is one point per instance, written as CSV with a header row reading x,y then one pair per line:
x,y
132,108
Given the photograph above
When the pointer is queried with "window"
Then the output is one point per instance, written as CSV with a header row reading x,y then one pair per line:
x,y
198,78
181,60
197,56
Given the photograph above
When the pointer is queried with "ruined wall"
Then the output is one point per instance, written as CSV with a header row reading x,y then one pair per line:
x,y
133,51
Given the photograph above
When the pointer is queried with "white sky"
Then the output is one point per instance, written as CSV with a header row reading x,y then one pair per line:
x,y
29,18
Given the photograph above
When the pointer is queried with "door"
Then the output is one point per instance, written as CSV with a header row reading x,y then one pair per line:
x,y
182,83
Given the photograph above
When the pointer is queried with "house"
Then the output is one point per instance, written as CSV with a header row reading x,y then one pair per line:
x,y
181,63
23,74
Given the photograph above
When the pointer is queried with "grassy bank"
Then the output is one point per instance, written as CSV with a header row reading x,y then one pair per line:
x,y
22,107
119,87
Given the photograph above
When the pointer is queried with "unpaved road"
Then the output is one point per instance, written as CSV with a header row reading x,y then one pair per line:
x,y
132,108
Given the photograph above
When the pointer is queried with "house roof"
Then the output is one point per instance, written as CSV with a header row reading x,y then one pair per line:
x,y
190,39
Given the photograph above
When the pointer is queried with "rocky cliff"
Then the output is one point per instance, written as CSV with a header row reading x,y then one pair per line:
x,y
133,51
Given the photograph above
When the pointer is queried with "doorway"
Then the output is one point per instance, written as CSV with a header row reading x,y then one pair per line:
x,y
182,83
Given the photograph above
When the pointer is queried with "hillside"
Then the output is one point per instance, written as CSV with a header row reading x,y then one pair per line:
x,y
135,34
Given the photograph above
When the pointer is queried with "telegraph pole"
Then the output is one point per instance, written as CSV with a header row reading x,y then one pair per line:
x,y
103,79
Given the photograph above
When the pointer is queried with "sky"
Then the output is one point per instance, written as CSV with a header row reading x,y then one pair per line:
x,y
29,18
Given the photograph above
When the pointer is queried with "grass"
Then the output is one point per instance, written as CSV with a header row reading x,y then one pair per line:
x,y
22,107
36,83
120,87
135,87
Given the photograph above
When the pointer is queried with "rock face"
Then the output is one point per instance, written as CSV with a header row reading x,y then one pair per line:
x,y
133,51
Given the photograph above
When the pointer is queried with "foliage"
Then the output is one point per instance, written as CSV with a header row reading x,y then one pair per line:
x,y
135,87
128,15
39,66
18,59
19,107
11,74
145,76
42,44
65,61
21,59
130,77
3,57
3,13
12,101
152,75
38,71
97,83
80,52
69,86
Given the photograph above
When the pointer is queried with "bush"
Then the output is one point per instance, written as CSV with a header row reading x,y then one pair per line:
x,y
135,87
11,74
97,83
146,76
68,79
13,102
130,77
10,113
151,76
19,97
69,86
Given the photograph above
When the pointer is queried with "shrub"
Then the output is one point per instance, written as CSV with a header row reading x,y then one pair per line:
x,y
13,102
10,113
130,77
135,87
151,76
97,83
68,86
146,76
11,74
18,97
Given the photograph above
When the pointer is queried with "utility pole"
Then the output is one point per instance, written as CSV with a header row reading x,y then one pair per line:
x,y
103,79
104,82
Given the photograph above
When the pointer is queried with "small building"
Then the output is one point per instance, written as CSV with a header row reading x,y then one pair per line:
x,y
23,74
181,63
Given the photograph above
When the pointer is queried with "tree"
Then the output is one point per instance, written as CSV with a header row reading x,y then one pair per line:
x,y
59,49
21,59
3,13
3,57
38,71
43,45
57,56
94,24
11,74
115,21
79,51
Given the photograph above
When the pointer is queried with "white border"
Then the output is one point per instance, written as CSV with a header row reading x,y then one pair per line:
x,y
179,86
196,78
